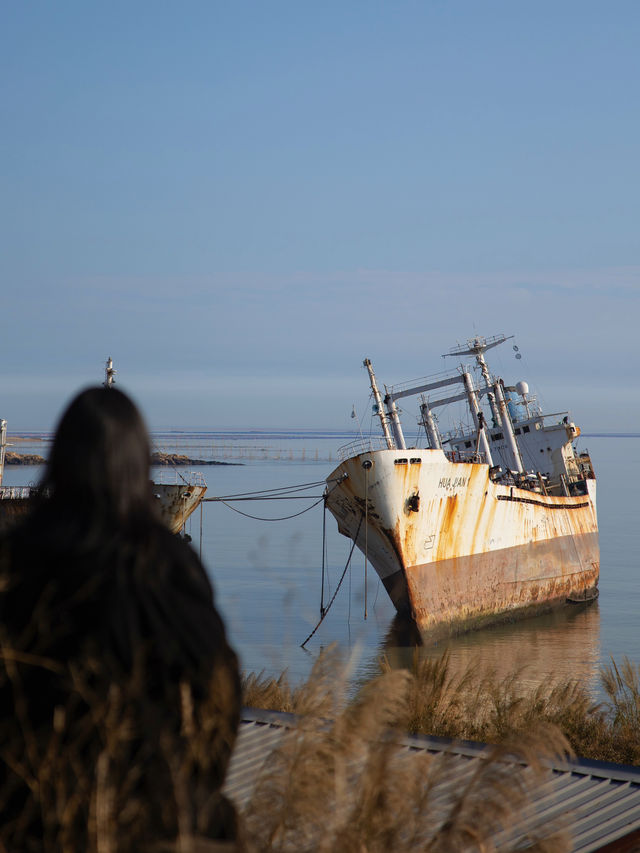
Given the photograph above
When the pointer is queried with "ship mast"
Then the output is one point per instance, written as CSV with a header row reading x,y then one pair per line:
x,y
508,428
478,418
381,411
430,426
477,347
396,426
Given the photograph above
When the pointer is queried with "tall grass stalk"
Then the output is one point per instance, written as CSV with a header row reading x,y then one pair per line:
x,y
339,780
478,704
110,772
109,776
622,686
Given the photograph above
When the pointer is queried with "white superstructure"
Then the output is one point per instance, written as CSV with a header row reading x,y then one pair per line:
x,y
490,518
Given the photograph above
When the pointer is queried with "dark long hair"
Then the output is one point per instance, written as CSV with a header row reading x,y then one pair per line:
x,y
98,590
99,464
96,546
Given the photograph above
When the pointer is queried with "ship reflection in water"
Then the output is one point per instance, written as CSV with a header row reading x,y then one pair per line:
x,y
560,645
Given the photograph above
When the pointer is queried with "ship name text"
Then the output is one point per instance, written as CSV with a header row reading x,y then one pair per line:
x,y
452,482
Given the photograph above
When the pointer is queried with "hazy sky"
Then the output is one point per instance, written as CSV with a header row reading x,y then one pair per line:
x,y
239,201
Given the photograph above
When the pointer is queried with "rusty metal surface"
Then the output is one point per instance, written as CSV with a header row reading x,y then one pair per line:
x,y
473,588
14,504
452,546
176,502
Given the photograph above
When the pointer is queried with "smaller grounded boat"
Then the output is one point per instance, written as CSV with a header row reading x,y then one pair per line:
x,y
176,500
14,500
492,519
177,495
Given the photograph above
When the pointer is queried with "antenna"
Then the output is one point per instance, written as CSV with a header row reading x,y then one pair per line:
x,y
354,414
478,345
109,374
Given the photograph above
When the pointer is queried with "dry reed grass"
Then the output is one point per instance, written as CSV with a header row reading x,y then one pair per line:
x,y
339,780
110,776
622,686
111,770
477,704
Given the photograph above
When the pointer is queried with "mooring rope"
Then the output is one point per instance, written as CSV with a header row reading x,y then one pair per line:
x,y
284,490
324,552
223,499
333,597
366,533
272,497
280,518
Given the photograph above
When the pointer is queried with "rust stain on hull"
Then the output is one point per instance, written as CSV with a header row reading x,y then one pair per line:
x,y
473,551
477,587
177,502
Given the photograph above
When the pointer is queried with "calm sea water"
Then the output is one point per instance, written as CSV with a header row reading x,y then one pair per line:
x,y
268,581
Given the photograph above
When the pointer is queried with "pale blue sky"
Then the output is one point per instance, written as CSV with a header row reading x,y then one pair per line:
x,y
240,201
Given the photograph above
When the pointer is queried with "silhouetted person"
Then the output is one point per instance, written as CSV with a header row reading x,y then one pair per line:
x,y
119,694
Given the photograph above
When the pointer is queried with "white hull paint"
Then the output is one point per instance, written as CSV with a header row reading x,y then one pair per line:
x,y
176,502
453,547
494,518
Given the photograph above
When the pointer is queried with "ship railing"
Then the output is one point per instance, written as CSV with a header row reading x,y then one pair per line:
x,y
474,456
12,493
361,445
173,476
463,431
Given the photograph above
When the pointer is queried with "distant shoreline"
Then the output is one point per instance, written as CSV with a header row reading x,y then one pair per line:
x,y
157,459
610,435
273,434
12,458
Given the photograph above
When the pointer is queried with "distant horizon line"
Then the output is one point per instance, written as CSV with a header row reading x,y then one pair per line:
x,y
278,431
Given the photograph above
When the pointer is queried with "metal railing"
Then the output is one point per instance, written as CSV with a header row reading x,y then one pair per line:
x,y
361,445
171,476
12,493
465,456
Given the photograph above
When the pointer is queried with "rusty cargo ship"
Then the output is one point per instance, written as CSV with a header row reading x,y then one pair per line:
x,y
494,519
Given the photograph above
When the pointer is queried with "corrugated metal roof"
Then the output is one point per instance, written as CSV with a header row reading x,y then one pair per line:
x,y
598,803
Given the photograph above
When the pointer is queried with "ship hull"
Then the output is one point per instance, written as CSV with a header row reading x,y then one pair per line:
x,y
456,550
14,503
175,503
